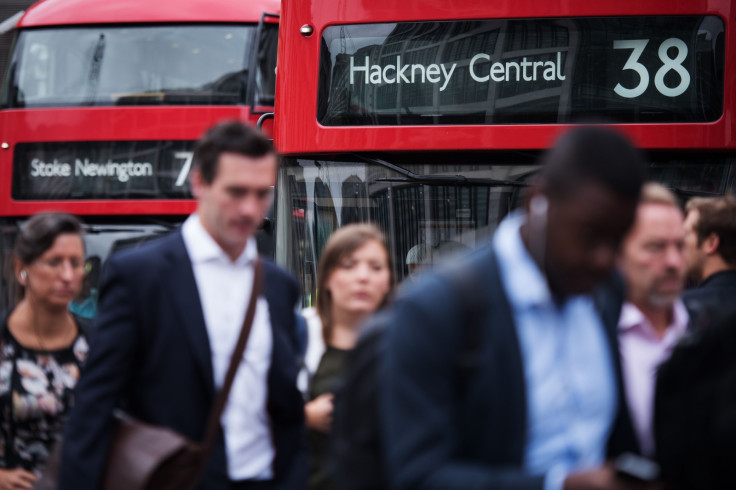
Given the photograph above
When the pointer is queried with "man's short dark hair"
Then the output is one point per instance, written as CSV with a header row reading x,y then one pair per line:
x,y
227,137
593,153
716,215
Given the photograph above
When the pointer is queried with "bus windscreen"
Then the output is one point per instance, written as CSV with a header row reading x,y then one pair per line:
x,y
136,65
523,71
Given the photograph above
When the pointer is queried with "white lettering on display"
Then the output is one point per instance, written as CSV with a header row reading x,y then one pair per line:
x,y
528,70
187,157
675,64
122,171
398,73
53,169
510,71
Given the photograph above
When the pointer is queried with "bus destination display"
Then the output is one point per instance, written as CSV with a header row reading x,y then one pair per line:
x,y
628,69
102,170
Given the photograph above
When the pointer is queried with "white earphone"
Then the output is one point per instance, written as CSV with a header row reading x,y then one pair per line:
x,y
538,205
23,275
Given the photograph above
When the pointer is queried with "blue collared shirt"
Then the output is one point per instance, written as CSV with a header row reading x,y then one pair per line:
x,y
568,370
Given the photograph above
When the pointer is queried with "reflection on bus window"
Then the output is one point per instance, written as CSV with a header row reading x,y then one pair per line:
x,y
437,219
141,65
425,216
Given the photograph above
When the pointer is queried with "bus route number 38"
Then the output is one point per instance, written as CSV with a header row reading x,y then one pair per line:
x,y
668,64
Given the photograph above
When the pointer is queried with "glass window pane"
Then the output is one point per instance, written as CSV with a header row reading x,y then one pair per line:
x,y
167,65
425,216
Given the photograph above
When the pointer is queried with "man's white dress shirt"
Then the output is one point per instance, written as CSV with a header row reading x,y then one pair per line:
x,y
224,291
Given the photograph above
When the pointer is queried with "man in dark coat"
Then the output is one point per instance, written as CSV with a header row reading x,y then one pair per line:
x,y
543,408
710,256
169,316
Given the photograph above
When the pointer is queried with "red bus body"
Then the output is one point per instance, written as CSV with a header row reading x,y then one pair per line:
x,y
120,123
78,149
298,77
440,185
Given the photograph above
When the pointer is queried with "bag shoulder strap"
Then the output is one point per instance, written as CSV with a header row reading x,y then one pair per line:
x,y
213,423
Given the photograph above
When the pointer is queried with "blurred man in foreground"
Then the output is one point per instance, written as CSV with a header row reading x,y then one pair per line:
x,y
540,405
170,315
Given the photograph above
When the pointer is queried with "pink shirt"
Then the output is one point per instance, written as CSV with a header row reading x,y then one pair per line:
x,y
642,351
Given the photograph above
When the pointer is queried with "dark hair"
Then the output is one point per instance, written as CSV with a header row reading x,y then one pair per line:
x,y
716,215
593,153
342,243
38,234
227,137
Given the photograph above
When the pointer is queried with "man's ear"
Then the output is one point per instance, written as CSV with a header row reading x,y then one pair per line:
x,y
711,244
196,183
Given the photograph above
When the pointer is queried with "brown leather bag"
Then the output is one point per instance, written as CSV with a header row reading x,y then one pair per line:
x,y
148,457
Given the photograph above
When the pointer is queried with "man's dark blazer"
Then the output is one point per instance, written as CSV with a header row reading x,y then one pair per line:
x,y
150,353
440,436
707,302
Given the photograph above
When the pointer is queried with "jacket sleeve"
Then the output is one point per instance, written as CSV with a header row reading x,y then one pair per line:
x,y
106,374
419,399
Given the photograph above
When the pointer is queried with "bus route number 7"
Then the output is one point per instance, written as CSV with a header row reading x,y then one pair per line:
x,y
637,46
186,156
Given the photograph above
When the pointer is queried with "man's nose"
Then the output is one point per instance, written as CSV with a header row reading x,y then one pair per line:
x,y
250,206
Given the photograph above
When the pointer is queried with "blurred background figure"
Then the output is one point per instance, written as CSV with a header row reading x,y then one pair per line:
x,y
653,318
416,258
354,279
85,305
42,346
710,255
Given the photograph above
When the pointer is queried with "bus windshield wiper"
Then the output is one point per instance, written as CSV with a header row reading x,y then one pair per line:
x,y
460,180
94,72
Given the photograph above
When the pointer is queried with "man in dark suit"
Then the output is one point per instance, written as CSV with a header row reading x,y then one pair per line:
x,y
169,316
710,256
542,407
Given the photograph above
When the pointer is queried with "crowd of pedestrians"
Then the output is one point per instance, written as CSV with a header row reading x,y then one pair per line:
x,y
530,363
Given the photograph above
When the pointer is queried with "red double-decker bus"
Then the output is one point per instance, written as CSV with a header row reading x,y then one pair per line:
x,y
101,105
428,117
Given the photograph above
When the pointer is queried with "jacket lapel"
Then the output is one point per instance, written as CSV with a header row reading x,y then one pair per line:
x,y
189,308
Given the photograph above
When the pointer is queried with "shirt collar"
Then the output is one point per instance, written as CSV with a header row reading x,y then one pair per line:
x,y
203,248
632,317
525,283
